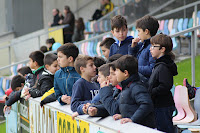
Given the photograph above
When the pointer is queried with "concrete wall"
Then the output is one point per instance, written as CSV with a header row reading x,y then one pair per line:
x,y
3,26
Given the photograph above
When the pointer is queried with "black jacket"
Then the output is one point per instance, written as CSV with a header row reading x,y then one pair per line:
x,y
15,95
45,83
56,19
136,103
161,82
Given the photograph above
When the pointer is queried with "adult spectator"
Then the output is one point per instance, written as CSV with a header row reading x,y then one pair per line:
x,y
56,17
68,19
79,30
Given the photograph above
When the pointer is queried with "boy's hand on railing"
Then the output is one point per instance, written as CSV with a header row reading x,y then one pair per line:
x,y
134,42
66,99
85,108
92,111
27,97
6,107
74,115
125,120
117,116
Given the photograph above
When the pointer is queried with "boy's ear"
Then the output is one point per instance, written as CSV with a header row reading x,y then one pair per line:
x,y
147,32
126,73
35,63
22,85
112,32
47,66
81,69
71,59
163,49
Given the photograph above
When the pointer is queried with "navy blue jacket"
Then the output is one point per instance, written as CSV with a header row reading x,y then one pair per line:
x,y
145,60
161,82
136,103
64,80
82,93
123,48
110,99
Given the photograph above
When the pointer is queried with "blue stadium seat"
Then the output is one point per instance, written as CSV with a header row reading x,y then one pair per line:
x,y
180,24
166,31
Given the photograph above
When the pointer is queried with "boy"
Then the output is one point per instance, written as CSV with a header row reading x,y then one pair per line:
x,y
45,82
105,46
135,103
49,43
36,63
84,89
17,84
120,30
147,27
161,81
109,96
67,75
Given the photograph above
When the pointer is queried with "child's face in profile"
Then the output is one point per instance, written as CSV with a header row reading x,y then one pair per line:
x,y
156,51
105,51
120,75
49,45
143,35
113,78
31,63
62,60
120,34
90,69
53,67
101,78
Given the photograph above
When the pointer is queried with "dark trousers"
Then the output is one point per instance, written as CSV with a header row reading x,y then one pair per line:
x,y
67,38
164,119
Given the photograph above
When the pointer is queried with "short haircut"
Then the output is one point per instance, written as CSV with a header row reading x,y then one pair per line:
x,y
114,57
107,42
127,62
50,40
37,56
67,8
17,82
43,49
24,70
105,70
148,22
112,65
49,59
81,61
118,22
69,49
164,41
99,61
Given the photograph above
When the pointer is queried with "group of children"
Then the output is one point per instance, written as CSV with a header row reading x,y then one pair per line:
x,y
134,85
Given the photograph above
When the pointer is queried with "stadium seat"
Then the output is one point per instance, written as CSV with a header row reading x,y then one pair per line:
x,y
185,105
180,24
166,31
185,25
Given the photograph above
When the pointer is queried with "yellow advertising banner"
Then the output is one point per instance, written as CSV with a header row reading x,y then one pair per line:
x,y
65,124
57,35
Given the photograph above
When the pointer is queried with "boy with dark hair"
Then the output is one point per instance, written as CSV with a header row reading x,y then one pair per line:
x,y
49,43
17,83
135,103
23,71
114,58
105,46
45,82
67,75
161,81
120,30
84,89
147,27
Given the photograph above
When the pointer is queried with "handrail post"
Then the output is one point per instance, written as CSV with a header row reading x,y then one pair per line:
x,y
193,42
195,24
9,52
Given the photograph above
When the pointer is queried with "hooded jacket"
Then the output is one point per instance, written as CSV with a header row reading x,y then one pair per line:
x,y
121,48
135,102
161,82
64,80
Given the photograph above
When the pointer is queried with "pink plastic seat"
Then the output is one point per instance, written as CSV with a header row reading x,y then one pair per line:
x,y
190,113
177,99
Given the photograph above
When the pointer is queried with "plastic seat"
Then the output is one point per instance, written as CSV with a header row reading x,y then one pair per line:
x,y
177,99
166,31
185,25
161,28
190,113
180,24
170,25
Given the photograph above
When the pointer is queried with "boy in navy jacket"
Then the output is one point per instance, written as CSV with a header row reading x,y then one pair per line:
x,y
161,81
135,102
65,78
147,27
120,30
84,89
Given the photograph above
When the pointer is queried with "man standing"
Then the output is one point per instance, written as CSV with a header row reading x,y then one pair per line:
x,y
56,17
